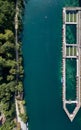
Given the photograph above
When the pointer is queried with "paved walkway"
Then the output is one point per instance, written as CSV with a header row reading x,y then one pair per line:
x,y
23,125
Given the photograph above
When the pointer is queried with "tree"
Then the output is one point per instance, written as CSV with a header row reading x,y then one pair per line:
x,y
7,126
24,117
7,11
8,64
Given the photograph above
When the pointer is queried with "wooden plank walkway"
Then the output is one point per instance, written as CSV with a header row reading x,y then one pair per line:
x,y
77,101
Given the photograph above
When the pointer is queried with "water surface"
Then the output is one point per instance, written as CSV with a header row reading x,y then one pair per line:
x,y
42,65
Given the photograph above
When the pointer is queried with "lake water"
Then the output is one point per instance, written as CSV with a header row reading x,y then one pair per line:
x,y
42,42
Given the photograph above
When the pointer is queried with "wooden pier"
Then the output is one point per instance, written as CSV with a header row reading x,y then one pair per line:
x,y
72,16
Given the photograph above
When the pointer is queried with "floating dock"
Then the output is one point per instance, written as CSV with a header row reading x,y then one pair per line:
x,y
72,16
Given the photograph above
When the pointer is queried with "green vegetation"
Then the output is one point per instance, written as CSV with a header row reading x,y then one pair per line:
x,y
9,86
67,17
67,51
74,17
7,126
71,16
21,109
24,117
7,12
71,51
75,50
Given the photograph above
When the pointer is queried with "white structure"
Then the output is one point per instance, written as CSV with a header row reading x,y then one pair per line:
x,y
68,52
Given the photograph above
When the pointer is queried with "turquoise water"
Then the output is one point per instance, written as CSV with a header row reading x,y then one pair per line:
x,y
42,63
71,79
71,29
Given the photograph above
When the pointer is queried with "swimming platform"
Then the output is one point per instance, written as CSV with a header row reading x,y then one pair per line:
x,y
71,16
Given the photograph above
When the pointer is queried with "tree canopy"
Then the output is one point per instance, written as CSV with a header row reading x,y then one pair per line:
x,y
8,64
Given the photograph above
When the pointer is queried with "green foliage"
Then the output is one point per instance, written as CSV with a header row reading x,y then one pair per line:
x,y
7,11
7,126
19,86
24,117
23,102
8,64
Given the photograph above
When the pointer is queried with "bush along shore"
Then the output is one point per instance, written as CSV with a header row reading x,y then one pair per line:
x,y
11,64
